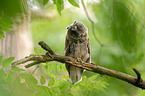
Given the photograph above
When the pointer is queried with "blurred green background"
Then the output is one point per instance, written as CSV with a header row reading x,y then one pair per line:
x,y
118,24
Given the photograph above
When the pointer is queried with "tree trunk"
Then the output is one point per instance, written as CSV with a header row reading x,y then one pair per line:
x,y
18,42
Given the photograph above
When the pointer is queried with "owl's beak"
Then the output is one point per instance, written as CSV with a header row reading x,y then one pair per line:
x,y
74,28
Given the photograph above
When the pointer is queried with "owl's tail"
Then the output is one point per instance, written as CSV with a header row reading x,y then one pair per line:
x,y
75,74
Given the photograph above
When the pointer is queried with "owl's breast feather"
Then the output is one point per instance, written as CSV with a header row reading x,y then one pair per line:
x,y
79,50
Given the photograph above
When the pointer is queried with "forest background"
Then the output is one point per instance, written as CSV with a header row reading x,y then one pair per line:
x,y
116,31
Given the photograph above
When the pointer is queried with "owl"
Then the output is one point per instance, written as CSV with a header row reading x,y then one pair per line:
x,y
77,46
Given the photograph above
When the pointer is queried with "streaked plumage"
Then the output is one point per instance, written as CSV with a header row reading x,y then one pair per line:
x,y
77,46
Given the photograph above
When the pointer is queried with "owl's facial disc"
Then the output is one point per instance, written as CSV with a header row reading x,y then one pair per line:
x,y
75,31
74,28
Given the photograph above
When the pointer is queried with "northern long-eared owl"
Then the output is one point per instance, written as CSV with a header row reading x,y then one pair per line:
x,y
77,45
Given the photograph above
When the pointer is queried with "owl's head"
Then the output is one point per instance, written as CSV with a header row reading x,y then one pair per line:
x,y
77,30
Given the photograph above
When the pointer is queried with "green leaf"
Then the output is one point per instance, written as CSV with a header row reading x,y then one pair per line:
x,y
2,34
4,92
74,2
53,67
13,8
22,89
17,69
52,92
10,79
42,80
60,6
6,22
7,62
45,2
92,78
48,70
59,69
36,50
76,91
29,79
2,76
32,54
51,82
56,90
1,57
42,91
5,25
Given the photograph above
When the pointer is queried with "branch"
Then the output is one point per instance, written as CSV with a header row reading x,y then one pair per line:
x,y
52,56
139,79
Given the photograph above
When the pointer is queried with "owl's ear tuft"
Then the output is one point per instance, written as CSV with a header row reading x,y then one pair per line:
x,y
75,22
67,27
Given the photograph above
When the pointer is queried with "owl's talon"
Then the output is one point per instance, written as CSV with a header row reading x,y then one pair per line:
x,y
79,60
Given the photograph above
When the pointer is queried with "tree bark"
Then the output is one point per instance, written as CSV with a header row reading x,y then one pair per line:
x,y
52,56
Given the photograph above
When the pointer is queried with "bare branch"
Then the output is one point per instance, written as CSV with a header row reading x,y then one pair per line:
x,y
32,64
36,58
139,79
46,47
52,56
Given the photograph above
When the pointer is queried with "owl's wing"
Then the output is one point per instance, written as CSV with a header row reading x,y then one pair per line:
x,y
67,47
67,52
88,46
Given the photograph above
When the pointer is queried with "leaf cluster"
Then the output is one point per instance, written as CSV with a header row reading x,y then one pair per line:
x,y
9,11
14,84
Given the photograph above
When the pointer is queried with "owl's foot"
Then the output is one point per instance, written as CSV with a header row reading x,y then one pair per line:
x,y
79,60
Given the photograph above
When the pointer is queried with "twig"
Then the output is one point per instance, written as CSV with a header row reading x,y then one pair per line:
x,y
139,79
34,71
92,22
138,82
32,64
37,59
46,47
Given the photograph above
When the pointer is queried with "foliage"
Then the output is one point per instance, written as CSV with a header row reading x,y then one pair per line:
x,y
13,84
74,2
5,24
119,27
7,62
9,9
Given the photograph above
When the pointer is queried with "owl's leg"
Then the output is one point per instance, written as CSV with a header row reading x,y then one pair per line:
x,y
75,74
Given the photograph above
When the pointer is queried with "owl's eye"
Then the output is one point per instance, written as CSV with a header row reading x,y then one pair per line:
x,y
79,26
